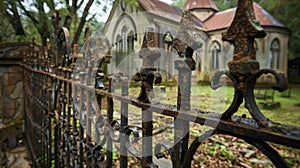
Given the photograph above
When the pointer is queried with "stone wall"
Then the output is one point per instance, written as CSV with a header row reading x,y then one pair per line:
x,y
11,87
11,93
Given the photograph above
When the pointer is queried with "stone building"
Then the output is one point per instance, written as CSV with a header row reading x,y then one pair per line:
x,y
126,25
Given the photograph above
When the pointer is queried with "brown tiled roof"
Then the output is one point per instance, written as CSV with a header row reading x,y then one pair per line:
x,y
222,20
165,10
204,4
159,6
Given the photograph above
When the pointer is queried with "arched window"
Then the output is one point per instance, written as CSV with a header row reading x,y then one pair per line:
x,y
119,44
215,52
130,40
124,40
275,54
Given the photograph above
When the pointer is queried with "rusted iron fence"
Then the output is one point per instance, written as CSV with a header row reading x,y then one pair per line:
x,y
66,126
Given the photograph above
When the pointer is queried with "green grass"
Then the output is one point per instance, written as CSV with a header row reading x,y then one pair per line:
x,y
206,99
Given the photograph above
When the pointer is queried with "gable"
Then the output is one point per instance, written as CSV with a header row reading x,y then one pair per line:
x,y
222,20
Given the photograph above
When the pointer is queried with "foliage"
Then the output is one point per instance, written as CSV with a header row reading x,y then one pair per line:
x,y
34,17
226,4
286,11
179,3
131,2
6,30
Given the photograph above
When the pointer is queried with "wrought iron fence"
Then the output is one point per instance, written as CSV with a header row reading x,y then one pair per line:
x,y
70,115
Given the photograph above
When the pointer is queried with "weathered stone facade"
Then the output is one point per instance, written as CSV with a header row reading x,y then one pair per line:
x,y
129,21
11,88
11,92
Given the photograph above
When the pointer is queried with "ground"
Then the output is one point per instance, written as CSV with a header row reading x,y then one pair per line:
x,y
216,151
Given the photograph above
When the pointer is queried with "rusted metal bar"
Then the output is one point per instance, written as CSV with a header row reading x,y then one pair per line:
x,y
124,123
274,133
75,113
82,117
185,44
149,53
110,112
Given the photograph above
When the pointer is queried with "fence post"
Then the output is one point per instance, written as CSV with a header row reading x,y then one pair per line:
x,y
148,75
124,124
110,112
185,44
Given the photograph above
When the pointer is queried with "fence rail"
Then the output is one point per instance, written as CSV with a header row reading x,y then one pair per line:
x,y
70,110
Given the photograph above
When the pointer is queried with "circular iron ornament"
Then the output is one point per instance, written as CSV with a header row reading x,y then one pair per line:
x,y
64,48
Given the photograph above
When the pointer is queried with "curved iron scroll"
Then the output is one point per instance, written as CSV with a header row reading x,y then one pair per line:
x,y
262,146
244,69
169,147
63,47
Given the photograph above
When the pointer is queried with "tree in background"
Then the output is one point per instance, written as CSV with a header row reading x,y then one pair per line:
x,y
179,3
11,14
24,16
7,32
287,11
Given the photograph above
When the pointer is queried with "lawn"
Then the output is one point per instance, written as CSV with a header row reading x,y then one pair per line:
x,y
219,150
206,99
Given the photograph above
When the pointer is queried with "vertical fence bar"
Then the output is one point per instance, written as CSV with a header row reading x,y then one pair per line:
x,y
61,118
110,112
56,124
82,121
75,112
49,91
64,119
181,127
124,124
149,53
147,127
69,109
185,44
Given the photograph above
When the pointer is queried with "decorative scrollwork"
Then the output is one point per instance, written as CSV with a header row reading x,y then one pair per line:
x,y
63,47
114,133
262,146
169,148
194,146
94,154
244,69
129,140
131,131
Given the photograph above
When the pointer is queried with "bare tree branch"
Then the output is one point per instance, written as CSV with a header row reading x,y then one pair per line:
x,y
28,13
51,4
82,21
13,17
81,2
68,5
92,17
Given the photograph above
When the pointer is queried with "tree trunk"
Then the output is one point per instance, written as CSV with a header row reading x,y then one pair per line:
x,y
14,19
82,21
